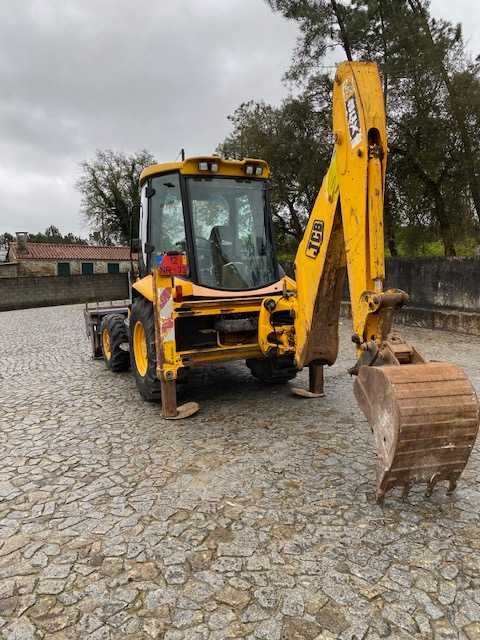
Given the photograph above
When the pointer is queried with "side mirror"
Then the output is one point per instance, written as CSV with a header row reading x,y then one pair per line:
x,y
135,244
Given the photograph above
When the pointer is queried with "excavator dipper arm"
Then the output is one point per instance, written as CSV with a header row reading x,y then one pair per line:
x,y
424,416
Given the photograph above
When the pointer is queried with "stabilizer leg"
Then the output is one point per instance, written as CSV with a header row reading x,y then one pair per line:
x,y
315,383
170,411
316,379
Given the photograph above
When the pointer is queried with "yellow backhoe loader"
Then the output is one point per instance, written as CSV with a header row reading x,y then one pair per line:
x,y
209,289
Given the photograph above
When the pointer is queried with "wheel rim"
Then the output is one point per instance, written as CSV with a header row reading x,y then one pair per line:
x,y
107,349
140,349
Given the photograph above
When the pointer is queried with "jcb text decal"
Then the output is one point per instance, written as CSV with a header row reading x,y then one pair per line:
x,y
315,240
353,119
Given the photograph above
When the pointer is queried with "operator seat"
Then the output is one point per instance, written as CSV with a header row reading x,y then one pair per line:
x,y
222,244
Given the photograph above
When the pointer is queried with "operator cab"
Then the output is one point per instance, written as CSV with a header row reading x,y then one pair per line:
x,y
215,214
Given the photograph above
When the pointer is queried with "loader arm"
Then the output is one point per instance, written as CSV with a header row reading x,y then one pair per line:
x,y
424,416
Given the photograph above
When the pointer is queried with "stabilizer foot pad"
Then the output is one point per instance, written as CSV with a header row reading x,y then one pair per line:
x,y
184,411
304,393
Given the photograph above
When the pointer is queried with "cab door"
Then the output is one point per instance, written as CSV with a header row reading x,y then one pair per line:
x,y
143,229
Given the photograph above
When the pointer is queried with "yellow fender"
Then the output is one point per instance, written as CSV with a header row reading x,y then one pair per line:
x,y
144,286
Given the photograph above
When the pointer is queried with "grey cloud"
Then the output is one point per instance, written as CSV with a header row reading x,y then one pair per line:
x,y
82,75
79,75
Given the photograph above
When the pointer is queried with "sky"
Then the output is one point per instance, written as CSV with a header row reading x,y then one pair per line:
x,y
81,75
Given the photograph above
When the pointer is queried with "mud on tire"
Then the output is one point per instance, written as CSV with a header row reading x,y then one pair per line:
x,y
113,334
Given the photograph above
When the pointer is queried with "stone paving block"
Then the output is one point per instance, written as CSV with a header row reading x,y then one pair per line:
x,y
254,519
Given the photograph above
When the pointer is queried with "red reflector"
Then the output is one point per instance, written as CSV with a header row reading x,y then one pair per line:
x,y
178,293
173,265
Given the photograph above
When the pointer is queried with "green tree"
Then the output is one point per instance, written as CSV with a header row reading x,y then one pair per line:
x,y
5,239
109,184
53,235
433,173
295,139
99,238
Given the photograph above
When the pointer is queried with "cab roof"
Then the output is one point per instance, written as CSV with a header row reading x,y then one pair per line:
x,y
191,166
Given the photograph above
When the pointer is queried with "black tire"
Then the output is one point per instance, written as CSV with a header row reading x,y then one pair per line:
x,y
272,370
148,384
118,359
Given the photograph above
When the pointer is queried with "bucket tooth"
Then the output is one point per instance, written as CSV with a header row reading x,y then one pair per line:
x,y
406,489
452,485
431,484
424,418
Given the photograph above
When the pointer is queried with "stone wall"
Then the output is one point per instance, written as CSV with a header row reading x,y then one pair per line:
x,y
452,283
44,291
432,318
8,269
444,292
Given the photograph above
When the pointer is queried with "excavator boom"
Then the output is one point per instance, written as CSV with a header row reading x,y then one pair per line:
x,y
424,416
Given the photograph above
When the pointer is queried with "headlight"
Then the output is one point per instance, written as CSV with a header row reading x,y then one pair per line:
x,y
204,165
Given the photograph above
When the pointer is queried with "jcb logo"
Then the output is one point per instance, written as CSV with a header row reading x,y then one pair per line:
x,y
315,240
353,122
353,119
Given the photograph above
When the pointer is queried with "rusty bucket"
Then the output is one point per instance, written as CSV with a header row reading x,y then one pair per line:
x,y
425,419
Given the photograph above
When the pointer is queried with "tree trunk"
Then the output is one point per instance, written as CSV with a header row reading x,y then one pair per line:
x,y
444,224
337,10
447,231
449,248
296,225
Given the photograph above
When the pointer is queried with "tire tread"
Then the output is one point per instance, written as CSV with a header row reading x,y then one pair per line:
x,y
120,360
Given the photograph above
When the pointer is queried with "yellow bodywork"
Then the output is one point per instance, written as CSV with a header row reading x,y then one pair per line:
x,y
345,229
190,166
144,286
169,358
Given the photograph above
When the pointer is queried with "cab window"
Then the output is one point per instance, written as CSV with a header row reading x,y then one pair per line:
x,y
233,246
167,229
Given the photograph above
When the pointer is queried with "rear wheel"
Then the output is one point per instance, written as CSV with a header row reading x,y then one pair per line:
x,y
114,335
272,370
143,355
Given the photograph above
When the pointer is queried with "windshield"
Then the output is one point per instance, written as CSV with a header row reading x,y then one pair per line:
x,y
232,244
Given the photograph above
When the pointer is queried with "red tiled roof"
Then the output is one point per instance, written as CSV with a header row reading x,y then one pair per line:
x,y
47,251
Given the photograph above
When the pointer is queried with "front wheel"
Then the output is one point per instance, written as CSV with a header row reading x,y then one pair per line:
x,y
272,370
143,354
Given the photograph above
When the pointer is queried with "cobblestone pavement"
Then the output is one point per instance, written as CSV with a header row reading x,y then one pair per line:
x,y
255,518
